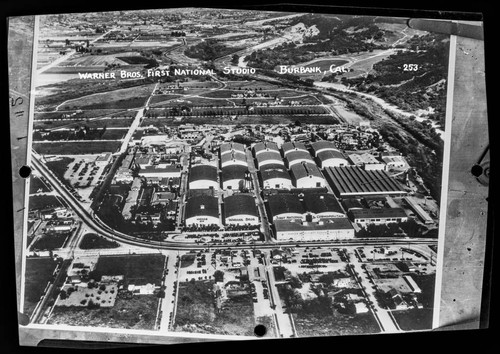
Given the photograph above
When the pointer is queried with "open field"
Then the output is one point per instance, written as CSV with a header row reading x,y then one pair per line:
x,y
76,148
161,98
145,269
139,312
38,273
325,64
196,311
251,85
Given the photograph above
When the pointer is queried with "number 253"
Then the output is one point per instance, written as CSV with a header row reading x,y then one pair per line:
x,y
410,67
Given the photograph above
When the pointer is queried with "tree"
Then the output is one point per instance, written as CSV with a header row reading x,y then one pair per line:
x,y
219,276
295,283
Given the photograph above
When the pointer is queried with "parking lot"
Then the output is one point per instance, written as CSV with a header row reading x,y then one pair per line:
x,y
83,174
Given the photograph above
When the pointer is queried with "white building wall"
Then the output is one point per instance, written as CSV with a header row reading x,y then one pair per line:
x,y
204,184
312,235
234,162
233,183
242,220
282,183
310,182
202,220
333,163
270,162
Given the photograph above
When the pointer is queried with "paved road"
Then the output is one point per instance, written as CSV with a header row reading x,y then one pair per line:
x,y
284,322
382,315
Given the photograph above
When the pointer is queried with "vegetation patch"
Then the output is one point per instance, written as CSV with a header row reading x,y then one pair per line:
x,y
93,241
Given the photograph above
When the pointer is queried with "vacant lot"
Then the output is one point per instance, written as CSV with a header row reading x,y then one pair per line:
x,y
93,241
137,269
196,311
122,98
334,324
60,166
139,312
76,148
37,275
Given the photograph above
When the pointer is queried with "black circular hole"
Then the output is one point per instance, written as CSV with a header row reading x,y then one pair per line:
x,y
24,171
476,170
260,330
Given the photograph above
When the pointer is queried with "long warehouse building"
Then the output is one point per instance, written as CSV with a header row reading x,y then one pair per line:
x,y
352,181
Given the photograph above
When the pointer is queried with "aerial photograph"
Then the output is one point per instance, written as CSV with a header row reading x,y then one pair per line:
x,y
206,171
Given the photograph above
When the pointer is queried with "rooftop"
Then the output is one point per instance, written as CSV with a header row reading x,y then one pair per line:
x,y
284,203
262,146
227,147
298,155
327,224
233,172
234,155
323,144
378,213
304,170
269,155
321,202
330,154
202,205
360,159
239,204
203,172
274,171
293,146
352,180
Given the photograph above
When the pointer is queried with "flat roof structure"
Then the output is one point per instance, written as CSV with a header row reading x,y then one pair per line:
x,y
228,147
361,159
285,203
240,204
202,205
321,202
354,181
203,172
422,214
293,146
274,171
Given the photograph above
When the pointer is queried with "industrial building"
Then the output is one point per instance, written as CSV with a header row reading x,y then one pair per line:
x,y
331,158
275,176
322,205
352,181
240,209
307,175
169,171
293,146
235,177
265,146
202,210
395,162
378,216
203,177
351,204
226,148
268,158
421,213
233,158
329,229
298,156
285,206
366,161
322,145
